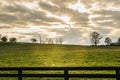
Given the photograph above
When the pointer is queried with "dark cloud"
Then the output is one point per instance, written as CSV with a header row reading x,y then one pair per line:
x,y
88,3
5,27
16,8
101,3
41,16
23,15
7,18
63,3
109,2
107,18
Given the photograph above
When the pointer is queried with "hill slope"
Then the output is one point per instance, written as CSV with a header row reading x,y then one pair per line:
x,y
36,55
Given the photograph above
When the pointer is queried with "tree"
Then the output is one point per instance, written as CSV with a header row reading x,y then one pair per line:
x,y
4,39
40,39
57,41
33,40
60,40
49,40
108,40
95,38
13,40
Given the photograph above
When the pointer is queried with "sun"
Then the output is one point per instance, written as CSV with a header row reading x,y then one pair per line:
x,y
78,6
66,19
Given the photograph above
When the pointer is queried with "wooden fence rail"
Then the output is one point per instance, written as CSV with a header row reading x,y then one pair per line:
x,y
66,72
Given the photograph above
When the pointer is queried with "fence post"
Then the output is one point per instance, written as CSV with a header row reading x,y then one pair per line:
x,y
66,74
19,74
117,74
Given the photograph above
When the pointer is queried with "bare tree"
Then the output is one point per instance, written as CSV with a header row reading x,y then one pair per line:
x,y
4,39
60,40
43,41
108,40
46,40
57,41
40,39
13,40
33,40
95,38
49,40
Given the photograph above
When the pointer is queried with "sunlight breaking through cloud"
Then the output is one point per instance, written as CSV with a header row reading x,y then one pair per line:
x,y
73,20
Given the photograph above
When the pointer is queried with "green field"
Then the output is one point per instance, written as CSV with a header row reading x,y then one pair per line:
x,y
36,55
22,54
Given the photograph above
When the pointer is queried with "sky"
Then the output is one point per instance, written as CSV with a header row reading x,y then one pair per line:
x,y
73,20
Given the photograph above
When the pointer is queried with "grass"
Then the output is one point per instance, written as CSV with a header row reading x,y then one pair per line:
x,y
36,55
25,55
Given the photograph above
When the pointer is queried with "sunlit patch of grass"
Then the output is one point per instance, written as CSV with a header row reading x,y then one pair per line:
x,y
37,55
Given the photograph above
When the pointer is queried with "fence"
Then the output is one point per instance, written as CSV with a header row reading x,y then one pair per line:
x,y
66,74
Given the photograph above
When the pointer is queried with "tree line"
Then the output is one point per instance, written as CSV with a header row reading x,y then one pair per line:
x,y
33,40
5,39
95,38
48,40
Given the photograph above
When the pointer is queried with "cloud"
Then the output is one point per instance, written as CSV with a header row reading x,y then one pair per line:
x,y
101,3
7,18
88,3
62,3
41,16
5,27
16,8
74,15
23,15
107,18
56,18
